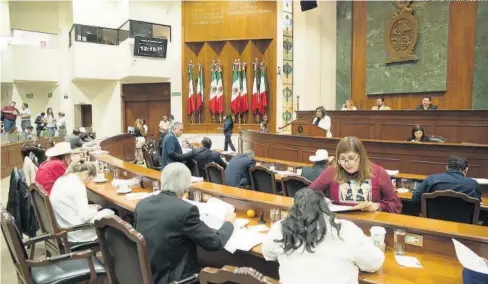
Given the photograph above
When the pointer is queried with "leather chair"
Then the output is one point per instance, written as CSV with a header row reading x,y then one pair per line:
x,y
449,205
193,166
215,173
47,224
79,267
262,179
232,274
292,184
125,253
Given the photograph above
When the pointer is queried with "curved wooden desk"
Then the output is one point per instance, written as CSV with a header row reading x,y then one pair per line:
x,y
122,146
437,254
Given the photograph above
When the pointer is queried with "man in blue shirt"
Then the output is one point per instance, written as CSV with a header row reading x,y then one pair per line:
x,y
454,178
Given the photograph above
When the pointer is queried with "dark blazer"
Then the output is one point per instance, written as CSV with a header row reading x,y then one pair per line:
x,y
451,179
204,156
20,205
237,171
172,230
75,141
170,149
228,126
431,107
312,173
40,125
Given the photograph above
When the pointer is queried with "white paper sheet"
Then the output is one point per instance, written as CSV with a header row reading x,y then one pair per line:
x,y
481,180
213,212
408,261
286,173
196,179
259,228
469,259
341,208
135,196
392,172
129,182
243,239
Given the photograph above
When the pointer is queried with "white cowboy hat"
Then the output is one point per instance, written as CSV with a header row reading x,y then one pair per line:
x,y
61,148
320,155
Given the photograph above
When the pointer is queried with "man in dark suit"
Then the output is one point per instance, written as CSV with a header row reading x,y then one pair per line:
x,y
320,162
171,148
172,228
426,104
204,156
454,178
237,171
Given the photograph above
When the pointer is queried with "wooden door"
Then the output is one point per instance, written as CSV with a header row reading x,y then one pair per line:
x,y
86,115
156,111
135,110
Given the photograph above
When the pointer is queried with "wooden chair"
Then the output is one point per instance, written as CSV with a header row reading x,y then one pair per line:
x,y
215,173
47,224
449,205
232,274
125,253
193,165
262,179
291,184
79,267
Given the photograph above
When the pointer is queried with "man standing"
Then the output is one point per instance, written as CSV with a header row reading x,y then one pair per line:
x,y
453,179
204,156
426,104
9,114
380,105
171,148
172,228
237,171
55,167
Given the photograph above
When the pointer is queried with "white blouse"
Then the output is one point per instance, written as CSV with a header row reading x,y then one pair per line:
x,y
334,260
324,123
70,204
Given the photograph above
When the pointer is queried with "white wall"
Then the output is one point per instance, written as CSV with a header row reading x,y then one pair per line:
x,y
39,16
4,19
95,61
101,13
314,55
32,63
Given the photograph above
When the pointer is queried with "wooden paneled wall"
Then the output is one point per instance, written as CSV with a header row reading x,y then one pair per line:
x,y
226,30
460,64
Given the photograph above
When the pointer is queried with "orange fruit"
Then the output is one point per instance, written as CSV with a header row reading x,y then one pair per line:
x,y
251,213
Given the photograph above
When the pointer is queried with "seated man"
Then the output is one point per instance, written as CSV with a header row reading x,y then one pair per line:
x,y
454,178
320,163
204,156
55,167
237,171
380,105
74,139
172,228
426,104
27,134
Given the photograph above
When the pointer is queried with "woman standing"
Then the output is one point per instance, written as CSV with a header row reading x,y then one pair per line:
x,y
51,122
25,116
312,246
354,180
139,132
322,120
228,126
348,105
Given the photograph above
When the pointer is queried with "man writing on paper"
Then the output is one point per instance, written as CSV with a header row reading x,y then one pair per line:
x,y
172,228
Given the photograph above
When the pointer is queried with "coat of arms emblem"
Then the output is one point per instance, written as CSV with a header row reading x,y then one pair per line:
x,y
402,33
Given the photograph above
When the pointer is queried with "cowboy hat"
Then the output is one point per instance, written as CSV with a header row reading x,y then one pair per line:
x,y
320,155
61,148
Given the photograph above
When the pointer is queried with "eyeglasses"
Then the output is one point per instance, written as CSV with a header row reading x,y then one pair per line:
x,y
348,160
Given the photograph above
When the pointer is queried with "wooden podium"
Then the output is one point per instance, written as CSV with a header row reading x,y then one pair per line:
x,y
303,127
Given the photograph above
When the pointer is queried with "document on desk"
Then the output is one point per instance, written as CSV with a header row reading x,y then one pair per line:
x,y
469,259
214,212
243,239
392,172
342,208
481,180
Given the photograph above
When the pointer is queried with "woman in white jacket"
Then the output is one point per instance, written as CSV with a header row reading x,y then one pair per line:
x,y
311,246
323,121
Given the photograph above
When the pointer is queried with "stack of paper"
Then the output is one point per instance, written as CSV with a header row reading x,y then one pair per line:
x,y
136,196
469,259
196,179
481,180
214,212
286,173
392,172
129,182
244,239
341,208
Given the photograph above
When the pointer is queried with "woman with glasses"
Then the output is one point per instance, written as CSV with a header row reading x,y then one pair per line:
x,y
353,180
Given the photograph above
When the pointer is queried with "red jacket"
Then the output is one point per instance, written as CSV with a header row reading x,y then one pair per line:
x,y
350,192
49,172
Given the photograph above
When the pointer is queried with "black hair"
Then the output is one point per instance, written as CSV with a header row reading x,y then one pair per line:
x,y
382,99
49,108
416,128
321,109
306,224
457,163
26,105
427,97
206,142
76,131
43,113
29,127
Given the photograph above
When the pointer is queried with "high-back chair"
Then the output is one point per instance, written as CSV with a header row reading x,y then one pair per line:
x,y
291,184
232,274
47,223
215,173
125,253
449,205
79,267
262,179
193,165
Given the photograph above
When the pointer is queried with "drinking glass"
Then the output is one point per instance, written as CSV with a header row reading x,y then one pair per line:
x,y
399,241
155,186
274,215
116,173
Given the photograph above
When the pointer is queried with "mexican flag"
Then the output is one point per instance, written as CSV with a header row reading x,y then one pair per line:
x,y
220,90
199,98
255,91
191,93
236,88
244,105
263,88
213,90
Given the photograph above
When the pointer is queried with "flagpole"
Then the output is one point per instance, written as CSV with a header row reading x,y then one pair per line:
x,y
201,90
219,68
255,74
244,117
190,74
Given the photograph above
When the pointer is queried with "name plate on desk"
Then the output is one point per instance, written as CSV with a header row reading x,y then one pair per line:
x,y
150,47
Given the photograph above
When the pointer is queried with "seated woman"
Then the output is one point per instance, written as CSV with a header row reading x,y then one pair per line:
x,y
312,246
348,105
418,135
322,121
353,180
70,202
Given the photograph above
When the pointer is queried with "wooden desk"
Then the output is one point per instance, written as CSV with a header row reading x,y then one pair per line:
x,y
122,146
456,125
419,158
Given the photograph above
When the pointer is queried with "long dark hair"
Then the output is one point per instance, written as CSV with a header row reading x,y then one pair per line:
x,y
306,224
418,128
